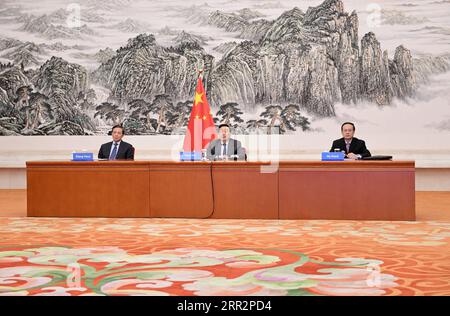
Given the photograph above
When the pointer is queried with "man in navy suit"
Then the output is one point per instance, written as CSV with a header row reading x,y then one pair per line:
x,y
354,148
117,149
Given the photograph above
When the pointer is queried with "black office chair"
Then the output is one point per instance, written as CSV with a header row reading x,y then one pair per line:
x,y
245,153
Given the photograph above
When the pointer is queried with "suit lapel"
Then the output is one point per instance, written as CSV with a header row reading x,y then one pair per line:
x,y
230,147
353,144
108,149
218,148
121,149
342,145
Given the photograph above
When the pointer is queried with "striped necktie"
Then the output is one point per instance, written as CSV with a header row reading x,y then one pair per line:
x,y
113,153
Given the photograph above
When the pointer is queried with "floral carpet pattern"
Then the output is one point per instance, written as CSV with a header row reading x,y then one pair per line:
x,y
99,256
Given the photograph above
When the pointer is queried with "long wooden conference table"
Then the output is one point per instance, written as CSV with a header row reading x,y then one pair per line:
x,y
350,190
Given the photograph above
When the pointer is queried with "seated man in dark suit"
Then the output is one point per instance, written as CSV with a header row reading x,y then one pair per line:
x,y
225,146
354,148
117,149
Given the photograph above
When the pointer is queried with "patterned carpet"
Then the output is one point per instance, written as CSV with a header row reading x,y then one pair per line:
x,y
99,256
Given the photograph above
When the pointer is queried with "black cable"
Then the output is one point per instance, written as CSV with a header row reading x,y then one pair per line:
x,y
212,191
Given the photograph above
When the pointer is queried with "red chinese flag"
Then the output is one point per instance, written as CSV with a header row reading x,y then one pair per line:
x,y
201,129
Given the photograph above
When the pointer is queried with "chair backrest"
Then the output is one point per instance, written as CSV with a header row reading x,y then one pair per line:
x,y
245,153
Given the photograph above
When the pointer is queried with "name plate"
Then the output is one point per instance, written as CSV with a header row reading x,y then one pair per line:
x,y
82,156
333,156
190,156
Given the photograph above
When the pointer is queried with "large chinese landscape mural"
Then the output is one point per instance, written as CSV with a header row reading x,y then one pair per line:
x,y
77,68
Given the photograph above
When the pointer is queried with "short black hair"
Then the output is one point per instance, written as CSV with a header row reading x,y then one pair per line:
x,y
224,124
118,126
342,126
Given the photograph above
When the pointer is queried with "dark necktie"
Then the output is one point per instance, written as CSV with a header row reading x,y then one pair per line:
x,y
224,152
348,146
113,153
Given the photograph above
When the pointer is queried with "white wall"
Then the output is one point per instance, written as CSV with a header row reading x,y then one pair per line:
x,y
432,173
16,150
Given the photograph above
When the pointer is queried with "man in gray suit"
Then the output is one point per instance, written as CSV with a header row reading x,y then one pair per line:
x,y
225,146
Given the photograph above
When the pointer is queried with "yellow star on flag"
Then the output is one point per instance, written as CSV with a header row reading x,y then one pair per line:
x,y
198,98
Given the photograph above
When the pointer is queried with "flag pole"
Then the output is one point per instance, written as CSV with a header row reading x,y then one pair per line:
x,y
200,71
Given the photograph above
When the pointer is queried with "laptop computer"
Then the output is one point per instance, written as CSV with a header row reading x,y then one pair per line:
x,y
378,157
